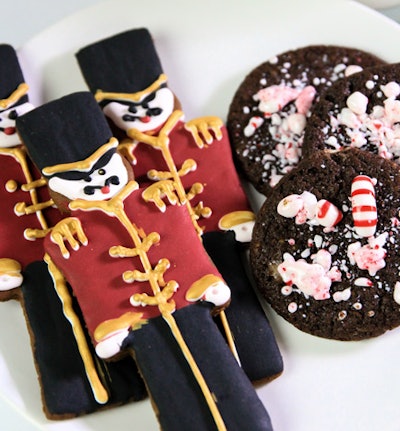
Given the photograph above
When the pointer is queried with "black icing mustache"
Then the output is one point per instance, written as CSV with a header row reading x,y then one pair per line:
x,y
90,190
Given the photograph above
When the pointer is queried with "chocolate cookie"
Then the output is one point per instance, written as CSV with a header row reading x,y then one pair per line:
x,y
270,109
325,248
361,111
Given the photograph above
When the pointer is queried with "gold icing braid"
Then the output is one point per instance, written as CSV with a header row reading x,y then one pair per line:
x,y
200,127
98,389
31,185
161,142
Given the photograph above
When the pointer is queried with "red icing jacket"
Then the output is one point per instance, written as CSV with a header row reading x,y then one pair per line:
x,y
97,278
215,170
13,243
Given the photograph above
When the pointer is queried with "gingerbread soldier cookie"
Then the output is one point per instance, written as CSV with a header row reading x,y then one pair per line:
x,y
26,215
142,278
25,207
191,163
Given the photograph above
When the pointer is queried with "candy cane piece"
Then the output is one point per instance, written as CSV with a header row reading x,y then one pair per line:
x,y
328,215
364,210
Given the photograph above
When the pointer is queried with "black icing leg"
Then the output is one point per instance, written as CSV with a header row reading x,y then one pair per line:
x,y
64,385
254,339
171,384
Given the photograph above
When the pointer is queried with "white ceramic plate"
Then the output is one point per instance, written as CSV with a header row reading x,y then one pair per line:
x,y
380,4
206,48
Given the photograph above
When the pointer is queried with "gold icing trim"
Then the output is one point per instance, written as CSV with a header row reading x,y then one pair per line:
x,y
126,150
135,97
81,164
200,129
128,320
9,266
235,218
20,91
196,290
98,389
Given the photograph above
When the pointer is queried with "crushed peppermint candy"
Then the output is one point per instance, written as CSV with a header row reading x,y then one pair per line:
x,y
306,208
379,128
312,279
371,256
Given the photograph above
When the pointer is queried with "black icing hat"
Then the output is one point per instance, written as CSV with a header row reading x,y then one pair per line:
x,y
11,75
124,63
65,130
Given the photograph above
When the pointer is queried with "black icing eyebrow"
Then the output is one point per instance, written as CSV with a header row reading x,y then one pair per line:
x,y
144,101
82,175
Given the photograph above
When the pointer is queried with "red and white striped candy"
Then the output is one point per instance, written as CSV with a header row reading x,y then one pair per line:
x,y
253,124
363,202
328,215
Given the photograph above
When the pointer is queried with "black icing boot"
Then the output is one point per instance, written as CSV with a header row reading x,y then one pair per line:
x,y
255,342
66,391
175,392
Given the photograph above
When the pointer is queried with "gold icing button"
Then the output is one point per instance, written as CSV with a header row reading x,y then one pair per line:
x,y
11,186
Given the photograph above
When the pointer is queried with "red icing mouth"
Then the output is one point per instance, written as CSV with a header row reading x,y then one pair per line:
x,y
105,190
9,130
145,119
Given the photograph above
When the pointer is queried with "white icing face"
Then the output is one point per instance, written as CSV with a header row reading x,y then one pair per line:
x,y
149,114
8,133
10,281
100,182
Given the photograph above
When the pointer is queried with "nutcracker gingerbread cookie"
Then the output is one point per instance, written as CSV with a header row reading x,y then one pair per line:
x,y
191,163
144,283
27,214
26,210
